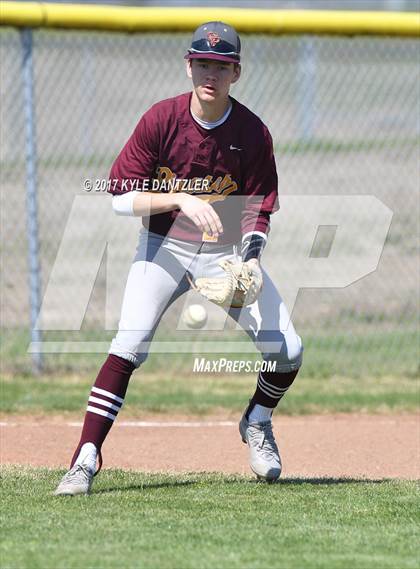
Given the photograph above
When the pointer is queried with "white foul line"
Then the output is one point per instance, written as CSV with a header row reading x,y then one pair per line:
x,y
163,424
135,424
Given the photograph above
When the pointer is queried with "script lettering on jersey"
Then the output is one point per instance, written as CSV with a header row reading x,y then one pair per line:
x,y
209,188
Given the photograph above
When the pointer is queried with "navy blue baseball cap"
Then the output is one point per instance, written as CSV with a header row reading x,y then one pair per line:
x,y
215,40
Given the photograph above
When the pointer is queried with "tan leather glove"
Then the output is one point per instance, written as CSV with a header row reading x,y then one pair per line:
x,y
240,287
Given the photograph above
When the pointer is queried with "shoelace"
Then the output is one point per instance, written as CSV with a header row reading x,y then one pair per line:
x,y
263,438
75,472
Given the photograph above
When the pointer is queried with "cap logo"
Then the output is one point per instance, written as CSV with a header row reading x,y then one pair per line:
x,y
213,38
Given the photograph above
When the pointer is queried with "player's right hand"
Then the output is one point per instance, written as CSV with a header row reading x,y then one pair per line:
x,y
201,213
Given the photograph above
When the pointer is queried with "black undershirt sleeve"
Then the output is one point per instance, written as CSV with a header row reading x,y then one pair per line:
x,y
252,246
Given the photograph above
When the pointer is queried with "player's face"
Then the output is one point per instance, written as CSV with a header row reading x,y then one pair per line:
x,y
212,79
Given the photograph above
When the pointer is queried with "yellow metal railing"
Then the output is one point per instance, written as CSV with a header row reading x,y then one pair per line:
x,y
129,19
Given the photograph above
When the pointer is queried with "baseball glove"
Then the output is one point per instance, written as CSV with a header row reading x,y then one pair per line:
x,y
239,287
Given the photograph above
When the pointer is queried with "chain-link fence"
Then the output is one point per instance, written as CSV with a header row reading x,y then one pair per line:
x,y
343,113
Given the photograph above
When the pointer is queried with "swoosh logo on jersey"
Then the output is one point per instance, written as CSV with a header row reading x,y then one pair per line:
x,y
231,147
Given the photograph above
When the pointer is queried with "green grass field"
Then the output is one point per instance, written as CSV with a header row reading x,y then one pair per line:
x,y
138,520
367,350
340,374
134,520
204,394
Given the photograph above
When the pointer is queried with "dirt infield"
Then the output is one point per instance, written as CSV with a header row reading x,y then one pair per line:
x,y
367,446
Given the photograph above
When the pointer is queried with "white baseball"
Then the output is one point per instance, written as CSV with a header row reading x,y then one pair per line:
x,y
195,316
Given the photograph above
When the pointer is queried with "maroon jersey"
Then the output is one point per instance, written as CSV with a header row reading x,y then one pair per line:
x,y
232,166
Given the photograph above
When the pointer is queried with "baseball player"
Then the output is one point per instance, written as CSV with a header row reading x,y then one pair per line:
x,y
200,171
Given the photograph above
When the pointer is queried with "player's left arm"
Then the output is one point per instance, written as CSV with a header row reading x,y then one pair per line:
x,y
261,199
